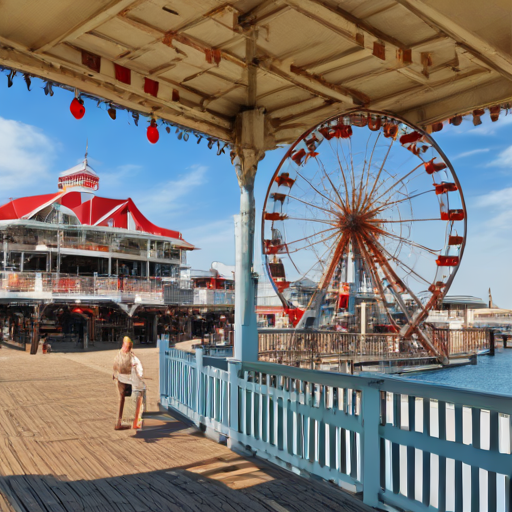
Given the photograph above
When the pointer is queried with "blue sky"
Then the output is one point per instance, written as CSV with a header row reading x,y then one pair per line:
x,y
185,186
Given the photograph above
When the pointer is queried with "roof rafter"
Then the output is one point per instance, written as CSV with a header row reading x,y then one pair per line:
x,y
486,52
355,95
415,92
341,21
109,11
478,96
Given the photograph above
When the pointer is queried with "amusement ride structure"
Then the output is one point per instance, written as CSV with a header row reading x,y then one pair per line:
x,y
367,206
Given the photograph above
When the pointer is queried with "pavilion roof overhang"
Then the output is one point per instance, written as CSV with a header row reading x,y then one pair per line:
x,y
425,60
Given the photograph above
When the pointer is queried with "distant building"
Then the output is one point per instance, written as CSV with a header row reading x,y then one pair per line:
x,y
82,267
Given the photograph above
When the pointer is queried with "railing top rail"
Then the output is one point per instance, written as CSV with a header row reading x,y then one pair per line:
x,y
316,331
491,401
271,330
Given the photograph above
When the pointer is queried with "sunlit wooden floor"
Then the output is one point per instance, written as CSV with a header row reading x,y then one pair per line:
x,y
59,451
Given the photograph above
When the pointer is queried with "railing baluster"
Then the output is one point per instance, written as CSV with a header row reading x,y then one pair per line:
x,y
426,455
442,459
494,436
475,471
342,437
459,488
411,460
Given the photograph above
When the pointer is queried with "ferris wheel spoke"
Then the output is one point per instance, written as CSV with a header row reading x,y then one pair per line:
x,y
401,180
373,271
406,267
367,197
337,254
310,204
386,221
323,240
316,190
344,179
407,241
386,206
361,196
320,259
310,236
330,223
336,191
377,251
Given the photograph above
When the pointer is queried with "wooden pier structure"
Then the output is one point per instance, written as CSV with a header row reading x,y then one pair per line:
x,y
59,451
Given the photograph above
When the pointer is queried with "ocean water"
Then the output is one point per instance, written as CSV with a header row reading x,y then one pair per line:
x,y
491,374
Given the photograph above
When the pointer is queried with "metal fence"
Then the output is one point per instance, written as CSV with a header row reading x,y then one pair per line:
x,y
132,289
409,445
297,347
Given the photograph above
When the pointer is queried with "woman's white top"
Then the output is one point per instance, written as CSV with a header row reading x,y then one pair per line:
x,y
135,377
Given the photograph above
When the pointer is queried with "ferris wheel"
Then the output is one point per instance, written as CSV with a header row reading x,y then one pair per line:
x,y
364,207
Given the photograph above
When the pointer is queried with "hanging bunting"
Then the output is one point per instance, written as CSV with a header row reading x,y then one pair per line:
x,y
10,78
112,112
123,74
27,80
48,89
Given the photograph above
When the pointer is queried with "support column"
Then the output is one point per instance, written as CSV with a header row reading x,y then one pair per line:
x,y
252,138
154,335
35,331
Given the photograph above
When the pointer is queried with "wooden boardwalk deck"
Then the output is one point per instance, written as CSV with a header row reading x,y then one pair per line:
x,y
59,451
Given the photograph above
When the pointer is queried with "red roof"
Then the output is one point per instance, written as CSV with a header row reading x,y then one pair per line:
x,y
98,211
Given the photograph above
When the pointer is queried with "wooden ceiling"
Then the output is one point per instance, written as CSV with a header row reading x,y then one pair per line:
x,y
426,60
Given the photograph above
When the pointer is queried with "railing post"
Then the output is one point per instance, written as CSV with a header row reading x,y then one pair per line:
x,y
234,367
163,374
371,445
200,398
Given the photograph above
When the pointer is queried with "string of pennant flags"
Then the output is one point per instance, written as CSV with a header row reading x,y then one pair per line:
x,y
123,75
77,107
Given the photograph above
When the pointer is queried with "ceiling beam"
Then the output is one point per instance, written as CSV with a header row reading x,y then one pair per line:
x,y
479,96
357,97
342,21
109,11
418,92
296,107
199,46
312,87
485,51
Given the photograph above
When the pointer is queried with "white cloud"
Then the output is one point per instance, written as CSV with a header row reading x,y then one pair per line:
x,y
26,154
471,153
504,159
215,239
498,205
119,180
168,196
488,128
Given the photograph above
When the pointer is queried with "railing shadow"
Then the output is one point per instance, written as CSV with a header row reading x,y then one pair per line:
x,y
229,484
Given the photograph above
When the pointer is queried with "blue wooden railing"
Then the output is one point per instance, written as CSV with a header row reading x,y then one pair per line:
x,y
407,445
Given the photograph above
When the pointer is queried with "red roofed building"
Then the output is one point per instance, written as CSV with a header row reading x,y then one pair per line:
x,y
73,246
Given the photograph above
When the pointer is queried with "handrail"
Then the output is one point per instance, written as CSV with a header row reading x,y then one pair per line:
x,y
404,444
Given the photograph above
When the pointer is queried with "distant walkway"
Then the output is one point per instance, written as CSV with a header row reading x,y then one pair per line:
x,y
59,451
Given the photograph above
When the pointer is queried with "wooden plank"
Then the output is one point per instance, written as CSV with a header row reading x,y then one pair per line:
x,y
59,453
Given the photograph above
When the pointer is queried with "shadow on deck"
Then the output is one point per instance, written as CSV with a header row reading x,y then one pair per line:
x,y
60,453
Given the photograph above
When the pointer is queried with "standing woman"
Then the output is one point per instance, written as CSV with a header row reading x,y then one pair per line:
x,y
128,371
